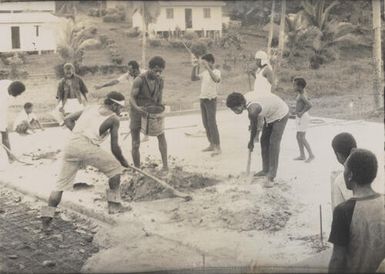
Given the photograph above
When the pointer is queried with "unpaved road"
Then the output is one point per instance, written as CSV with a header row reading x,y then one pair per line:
x,y
24,248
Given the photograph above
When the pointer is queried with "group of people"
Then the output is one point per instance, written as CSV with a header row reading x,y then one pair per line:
x,y
358,228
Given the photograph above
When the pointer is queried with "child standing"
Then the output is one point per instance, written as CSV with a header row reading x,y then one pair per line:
x,y
302,119
26,122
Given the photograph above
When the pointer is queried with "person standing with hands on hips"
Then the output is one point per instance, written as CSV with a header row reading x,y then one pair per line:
x,y
210,78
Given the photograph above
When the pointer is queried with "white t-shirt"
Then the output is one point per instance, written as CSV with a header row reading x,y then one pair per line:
x,y
273,107
23,116
261,84
4,103
128,79
209,89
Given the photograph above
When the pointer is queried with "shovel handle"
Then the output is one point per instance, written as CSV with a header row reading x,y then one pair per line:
x,y
248,163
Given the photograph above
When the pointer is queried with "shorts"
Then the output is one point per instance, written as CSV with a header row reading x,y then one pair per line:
x,y
80,152
135,120
303,122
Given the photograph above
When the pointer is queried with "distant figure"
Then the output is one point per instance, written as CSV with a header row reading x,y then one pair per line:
x,y
26,122
210,78
8,89
263,73
358,226
147,90
302,119
71,92
275,113
343,144
128,77
90,128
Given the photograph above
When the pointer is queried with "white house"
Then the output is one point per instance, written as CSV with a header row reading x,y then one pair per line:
x,y
203,17
28,26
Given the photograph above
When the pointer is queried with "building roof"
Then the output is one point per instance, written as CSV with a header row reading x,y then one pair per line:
x,y
191,3
28,17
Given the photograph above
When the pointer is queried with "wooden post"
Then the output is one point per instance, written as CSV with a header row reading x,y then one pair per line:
x,y
320,221
377,54
281,44
144,33
272,15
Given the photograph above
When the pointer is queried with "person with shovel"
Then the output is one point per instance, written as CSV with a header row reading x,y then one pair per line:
x,y
147,91
90,128
275,113
8,89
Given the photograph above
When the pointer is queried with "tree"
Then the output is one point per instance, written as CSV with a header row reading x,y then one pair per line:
x,y
149,11
378,76
316,13
270,39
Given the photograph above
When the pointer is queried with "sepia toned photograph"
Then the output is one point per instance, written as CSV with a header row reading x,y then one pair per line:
x,y
192,136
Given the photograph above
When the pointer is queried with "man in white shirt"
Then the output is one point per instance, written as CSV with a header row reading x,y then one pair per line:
x,y
8,88
128,77
208,99
275,113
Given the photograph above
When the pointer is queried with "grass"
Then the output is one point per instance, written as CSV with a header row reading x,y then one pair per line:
x,y
331,88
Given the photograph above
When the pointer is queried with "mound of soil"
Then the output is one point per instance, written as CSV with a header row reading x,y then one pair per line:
x,y
271,213
142,188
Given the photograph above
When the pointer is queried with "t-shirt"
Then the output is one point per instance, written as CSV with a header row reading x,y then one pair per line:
x,y
261,84
273,107
209,89
23,116
359,225
339,191
4,103
128,79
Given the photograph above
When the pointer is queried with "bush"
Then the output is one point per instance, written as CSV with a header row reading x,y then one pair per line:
x,y
176,43
207,41
190,35
198,48
133,32
103,39
112,18
155,42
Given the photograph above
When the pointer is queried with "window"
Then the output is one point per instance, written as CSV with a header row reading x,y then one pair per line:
x,y
170,13
15,36
37,31
206,13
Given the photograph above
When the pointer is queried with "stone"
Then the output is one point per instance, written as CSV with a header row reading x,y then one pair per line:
x,y
49,263
13,256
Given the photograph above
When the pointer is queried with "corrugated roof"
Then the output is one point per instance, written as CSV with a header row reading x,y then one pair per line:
x,y
191,3
27,17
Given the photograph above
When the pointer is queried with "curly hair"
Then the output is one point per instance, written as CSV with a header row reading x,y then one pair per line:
x,y
157,61
235,99
343,143
113,95
363,165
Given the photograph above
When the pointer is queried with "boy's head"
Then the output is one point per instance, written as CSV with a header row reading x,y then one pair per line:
x,y
28,107
133,67
360,168
115,101
299,84
236,102
209,58
261,58
16,88
343,144
156,66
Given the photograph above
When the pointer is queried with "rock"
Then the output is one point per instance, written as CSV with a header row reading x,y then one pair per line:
x,y
13,256
153,220
59,237
18,199
21,266
89,238
82,251
49,263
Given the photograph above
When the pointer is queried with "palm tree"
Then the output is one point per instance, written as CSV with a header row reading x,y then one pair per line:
x,y
149,11
270,39
316,13
378,76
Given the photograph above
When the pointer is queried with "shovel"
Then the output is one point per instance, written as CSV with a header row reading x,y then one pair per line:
x,y
164,184
16,158
248,163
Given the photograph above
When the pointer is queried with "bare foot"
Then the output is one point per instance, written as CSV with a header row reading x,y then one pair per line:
x,y
114,208
216,152
311,158
260,174
209,148
269,183
300,158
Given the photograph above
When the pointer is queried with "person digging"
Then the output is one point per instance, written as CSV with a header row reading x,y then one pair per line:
x,y
90,128
275,113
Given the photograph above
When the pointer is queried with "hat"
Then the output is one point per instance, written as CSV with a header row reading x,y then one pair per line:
x,y
263,56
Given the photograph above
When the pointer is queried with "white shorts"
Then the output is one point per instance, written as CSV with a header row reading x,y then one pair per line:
x,y
303,122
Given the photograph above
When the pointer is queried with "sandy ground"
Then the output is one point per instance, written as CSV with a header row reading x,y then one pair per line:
x,y
234,222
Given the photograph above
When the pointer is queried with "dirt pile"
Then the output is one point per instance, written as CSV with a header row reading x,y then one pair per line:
x,y
270,213
142,188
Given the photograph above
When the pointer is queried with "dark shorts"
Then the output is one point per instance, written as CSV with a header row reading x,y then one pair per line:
x,y
135,120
